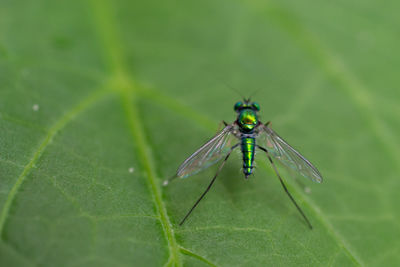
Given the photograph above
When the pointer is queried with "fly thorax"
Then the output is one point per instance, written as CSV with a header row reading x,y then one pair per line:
x,y
247,120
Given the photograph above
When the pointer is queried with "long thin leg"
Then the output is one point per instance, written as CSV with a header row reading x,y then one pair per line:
x,y
285,188
209,186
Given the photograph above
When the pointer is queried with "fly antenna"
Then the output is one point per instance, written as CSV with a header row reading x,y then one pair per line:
x,y
230,87
254,93
234,90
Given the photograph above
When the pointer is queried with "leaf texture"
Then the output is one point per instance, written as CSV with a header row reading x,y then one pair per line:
x,y
101,100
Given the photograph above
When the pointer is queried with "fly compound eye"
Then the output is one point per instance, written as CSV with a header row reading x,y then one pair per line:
x,y
255,106
238,105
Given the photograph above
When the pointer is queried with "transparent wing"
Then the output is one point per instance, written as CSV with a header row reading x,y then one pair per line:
x,y
287,155
210,153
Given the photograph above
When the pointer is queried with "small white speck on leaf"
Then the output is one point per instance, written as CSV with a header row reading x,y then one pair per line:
x,y
307,190
131,170
35,107
165,182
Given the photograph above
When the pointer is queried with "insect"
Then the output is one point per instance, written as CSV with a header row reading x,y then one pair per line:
x,y
248,134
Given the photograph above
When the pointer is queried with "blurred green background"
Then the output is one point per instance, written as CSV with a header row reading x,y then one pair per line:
x,y
100,101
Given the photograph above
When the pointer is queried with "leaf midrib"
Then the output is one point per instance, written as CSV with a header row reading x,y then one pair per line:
x,y
114,53
122,82
126,94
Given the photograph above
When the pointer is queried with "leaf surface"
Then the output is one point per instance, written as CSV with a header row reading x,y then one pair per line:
x,y
100,101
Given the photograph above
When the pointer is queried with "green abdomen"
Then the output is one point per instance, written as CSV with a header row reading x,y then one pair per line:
x,y
248,147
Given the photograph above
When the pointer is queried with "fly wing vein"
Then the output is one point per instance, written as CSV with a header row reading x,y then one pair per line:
x,y
208,154
288,156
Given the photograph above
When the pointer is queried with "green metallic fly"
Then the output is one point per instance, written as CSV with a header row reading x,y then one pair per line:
x,y
248,133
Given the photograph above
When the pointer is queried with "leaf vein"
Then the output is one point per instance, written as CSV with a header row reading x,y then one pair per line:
x,y
197,256
335,68
105,23
228,228
57,126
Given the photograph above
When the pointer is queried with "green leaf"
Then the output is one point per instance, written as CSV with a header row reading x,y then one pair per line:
x,y
101,100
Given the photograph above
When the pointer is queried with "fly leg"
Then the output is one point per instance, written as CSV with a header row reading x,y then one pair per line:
x,y
221,125
209,186
285,188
